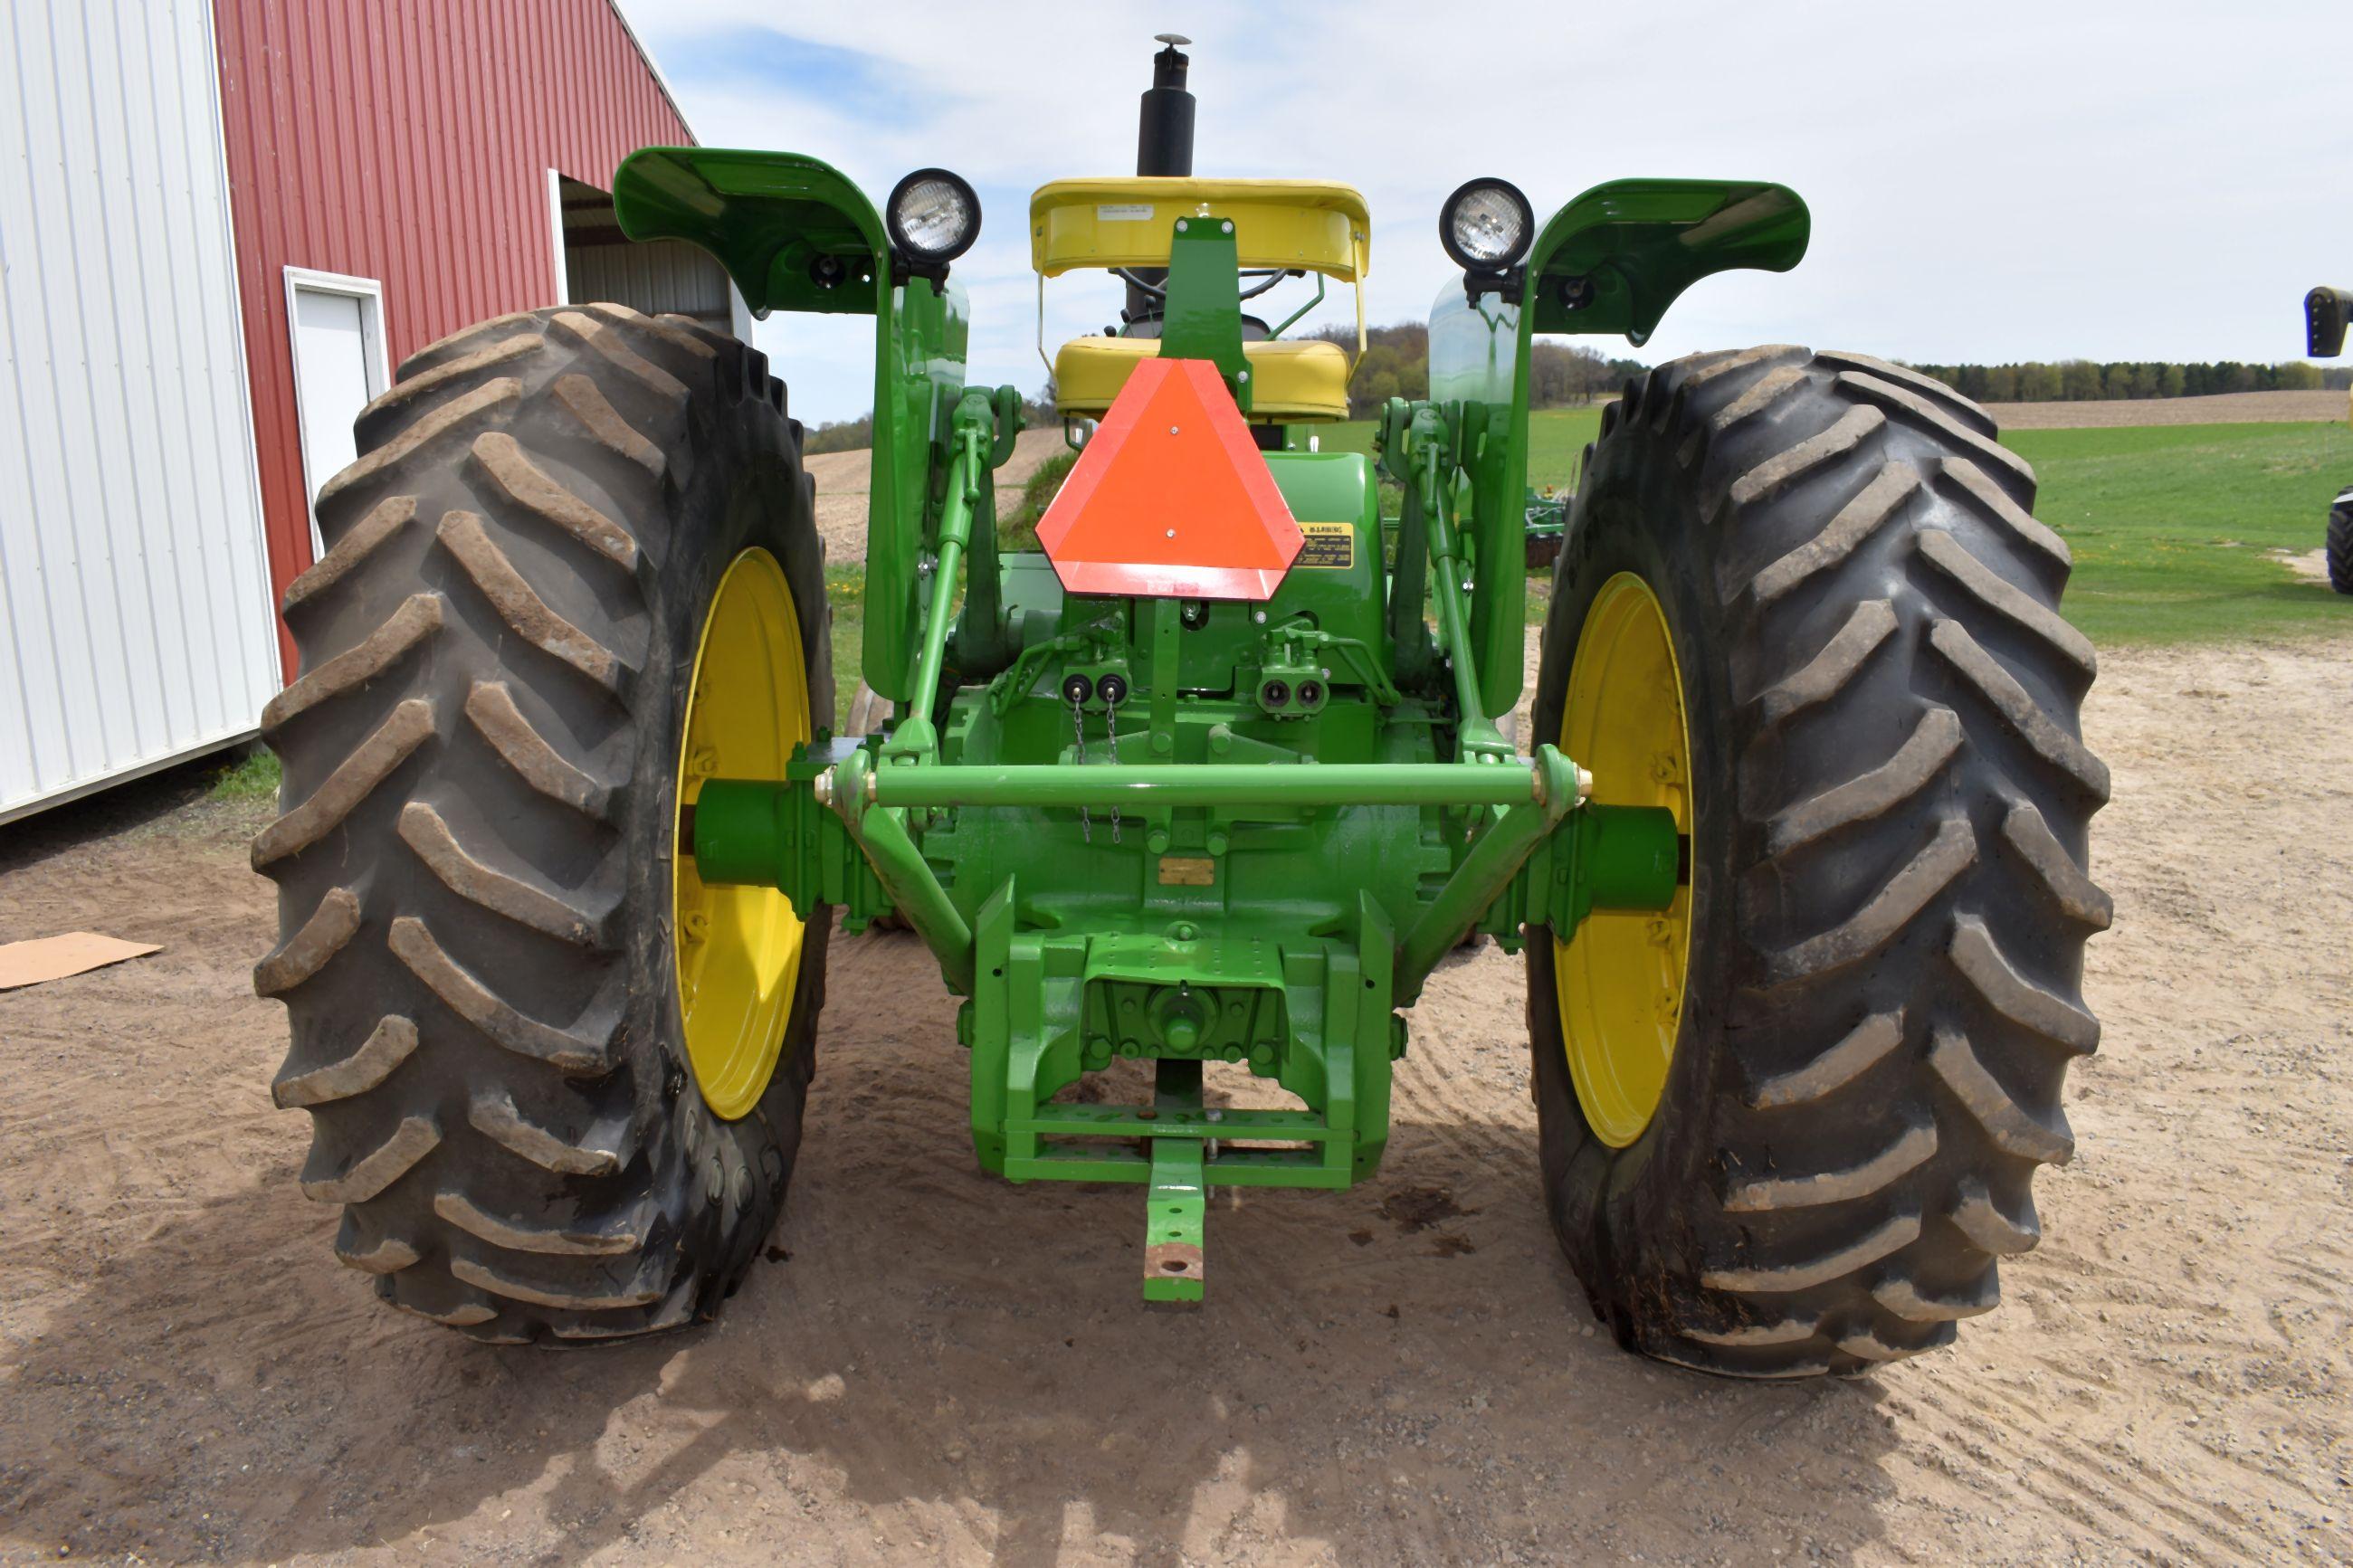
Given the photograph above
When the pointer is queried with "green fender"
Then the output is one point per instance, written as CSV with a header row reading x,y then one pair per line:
x,y
1611,261
795,233
769,217
1616,258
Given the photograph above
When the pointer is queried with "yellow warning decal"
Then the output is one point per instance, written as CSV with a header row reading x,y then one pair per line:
x,y
1327,545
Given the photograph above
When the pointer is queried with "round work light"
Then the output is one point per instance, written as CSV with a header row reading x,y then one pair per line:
x,y
934,217
1486,226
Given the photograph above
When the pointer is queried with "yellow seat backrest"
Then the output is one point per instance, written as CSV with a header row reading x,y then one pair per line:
x,y
1292,380
1317,226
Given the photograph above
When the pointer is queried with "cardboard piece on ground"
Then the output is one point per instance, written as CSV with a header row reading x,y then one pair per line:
x,y
55,957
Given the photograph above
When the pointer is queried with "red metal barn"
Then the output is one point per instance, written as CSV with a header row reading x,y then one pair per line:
x,y
401,169
229,223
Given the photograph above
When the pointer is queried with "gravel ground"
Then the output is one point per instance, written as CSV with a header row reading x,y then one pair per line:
x,y
935,1366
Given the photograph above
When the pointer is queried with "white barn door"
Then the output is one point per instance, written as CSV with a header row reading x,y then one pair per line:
x,y
336,326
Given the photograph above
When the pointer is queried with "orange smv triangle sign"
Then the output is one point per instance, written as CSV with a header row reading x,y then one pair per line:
x,y
1171,500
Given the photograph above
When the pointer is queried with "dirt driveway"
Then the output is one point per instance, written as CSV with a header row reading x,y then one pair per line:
x,y
937,1367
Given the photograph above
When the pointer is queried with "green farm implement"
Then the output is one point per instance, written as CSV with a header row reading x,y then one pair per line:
x,y
1547,525
1795,846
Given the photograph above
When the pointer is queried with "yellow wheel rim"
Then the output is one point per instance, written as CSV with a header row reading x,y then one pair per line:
x,y
738,949
1620,976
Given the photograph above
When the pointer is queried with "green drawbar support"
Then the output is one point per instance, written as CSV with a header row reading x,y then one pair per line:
x,y
1144,786
1175,1205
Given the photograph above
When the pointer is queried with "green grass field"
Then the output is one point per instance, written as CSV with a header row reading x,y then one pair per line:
x,y
2171,525
1557,440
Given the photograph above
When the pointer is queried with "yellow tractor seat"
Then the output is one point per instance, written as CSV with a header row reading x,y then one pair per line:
x,y
1292,380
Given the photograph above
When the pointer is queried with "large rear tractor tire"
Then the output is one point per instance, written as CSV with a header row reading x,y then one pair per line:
x,y
1791,1126
2341,543
555,1089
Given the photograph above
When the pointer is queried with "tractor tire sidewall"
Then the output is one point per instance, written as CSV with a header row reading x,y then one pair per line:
x,y
1598,1196
753,496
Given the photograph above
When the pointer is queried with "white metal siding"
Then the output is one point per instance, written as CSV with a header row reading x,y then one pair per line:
x,y
653,276
136,621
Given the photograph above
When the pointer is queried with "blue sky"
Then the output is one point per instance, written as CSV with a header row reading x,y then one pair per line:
x,y
1988,181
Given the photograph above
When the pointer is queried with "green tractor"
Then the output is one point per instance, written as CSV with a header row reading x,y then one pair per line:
x,y
1796,850
2326,311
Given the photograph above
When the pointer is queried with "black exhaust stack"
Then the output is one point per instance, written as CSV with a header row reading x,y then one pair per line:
x,y
1164,145
1163,131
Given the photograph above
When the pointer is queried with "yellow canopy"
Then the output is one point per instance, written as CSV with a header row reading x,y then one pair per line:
x,y
1292,382
1315,225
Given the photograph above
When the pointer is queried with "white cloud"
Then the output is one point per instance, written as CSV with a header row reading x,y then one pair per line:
x,y
1988,182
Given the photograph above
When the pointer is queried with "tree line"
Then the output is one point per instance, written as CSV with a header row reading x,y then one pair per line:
x,y
2085,380
1396,364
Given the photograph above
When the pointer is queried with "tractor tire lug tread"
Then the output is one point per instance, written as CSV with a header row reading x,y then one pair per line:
x,y
328,1180
479,760
389,1044
1903,404
418,618
1911,1148
527,486
1941,550
1960,409
331,925
1890,887
1872,795
1827,673
384,1254
385,520
2064,882
494,1114
467,341
579,397
456,413
425,831
511,593
369,763
402,395
1854,1054
491,705
1854,526
1972,487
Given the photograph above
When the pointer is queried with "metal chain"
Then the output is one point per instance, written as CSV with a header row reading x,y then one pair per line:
x,y
1079,727
1111,727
